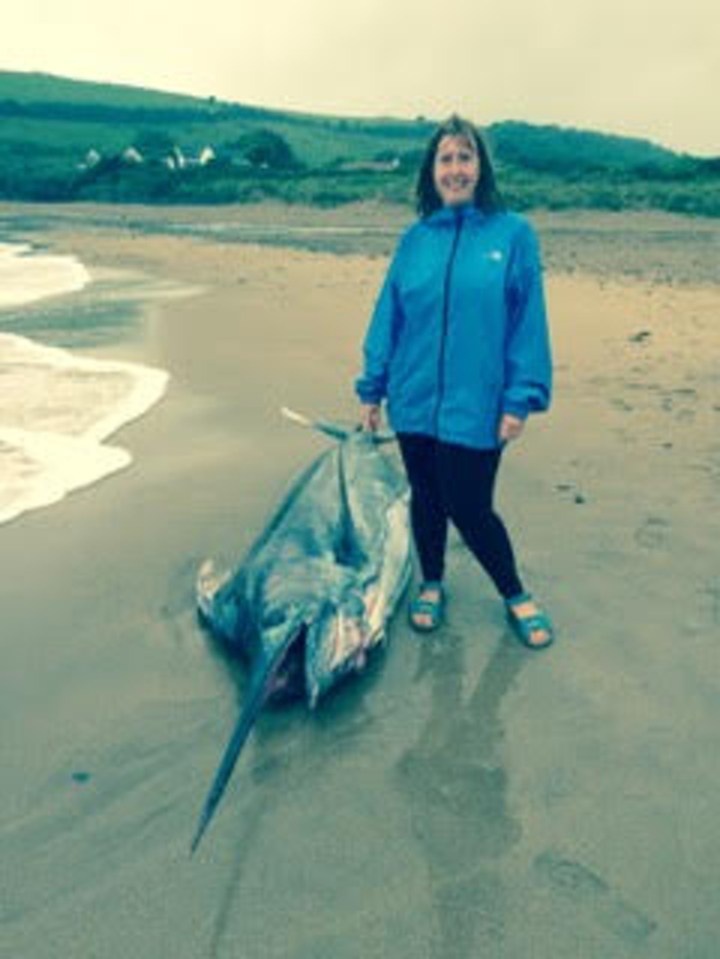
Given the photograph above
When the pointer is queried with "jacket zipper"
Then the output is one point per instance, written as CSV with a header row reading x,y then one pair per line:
x,y
445,317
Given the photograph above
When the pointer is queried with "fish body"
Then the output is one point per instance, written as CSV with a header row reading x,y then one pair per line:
x,y
316,589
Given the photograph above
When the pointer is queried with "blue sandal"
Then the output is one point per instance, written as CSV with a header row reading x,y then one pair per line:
x,y
434,609
525,626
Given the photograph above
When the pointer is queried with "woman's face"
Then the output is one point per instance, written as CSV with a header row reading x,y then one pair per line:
x,y
456,170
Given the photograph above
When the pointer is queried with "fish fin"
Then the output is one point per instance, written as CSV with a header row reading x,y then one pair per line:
x,y
259,691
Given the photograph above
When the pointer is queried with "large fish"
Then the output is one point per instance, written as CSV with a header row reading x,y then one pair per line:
x,y
316,589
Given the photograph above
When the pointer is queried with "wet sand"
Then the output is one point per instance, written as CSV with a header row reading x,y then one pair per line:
x,y
465,797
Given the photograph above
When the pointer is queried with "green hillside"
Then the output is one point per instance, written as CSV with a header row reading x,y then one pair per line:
x,y
46,88
63,139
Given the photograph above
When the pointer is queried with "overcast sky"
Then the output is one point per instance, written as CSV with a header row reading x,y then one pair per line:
x,y
648,68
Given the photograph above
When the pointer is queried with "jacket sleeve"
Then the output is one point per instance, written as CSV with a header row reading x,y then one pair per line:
x,y
371,385
528,364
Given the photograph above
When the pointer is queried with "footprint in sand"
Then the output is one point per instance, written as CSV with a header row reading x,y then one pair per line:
x,y
587,890
578,497
653,532
640,337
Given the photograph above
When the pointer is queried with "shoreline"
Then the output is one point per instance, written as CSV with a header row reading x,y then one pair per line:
x,y
558,804
72,398
650,245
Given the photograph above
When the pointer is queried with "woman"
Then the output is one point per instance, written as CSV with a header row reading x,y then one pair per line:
x,y
458,345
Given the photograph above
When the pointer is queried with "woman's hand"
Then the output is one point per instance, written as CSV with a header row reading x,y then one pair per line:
x,y
370,417
510,427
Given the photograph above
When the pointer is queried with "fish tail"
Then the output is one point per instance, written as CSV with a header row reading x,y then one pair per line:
x,y
335,430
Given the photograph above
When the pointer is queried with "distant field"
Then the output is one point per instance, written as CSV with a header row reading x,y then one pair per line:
x,y
49,125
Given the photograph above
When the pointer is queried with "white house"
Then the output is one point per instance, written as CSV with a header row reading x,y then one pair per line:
x,y
371,166
131,155
205,156
177,160
92,158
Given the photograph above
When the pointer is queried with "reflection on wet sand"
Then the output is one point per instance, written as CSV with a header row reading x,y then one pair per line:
x,y
292,751
455,787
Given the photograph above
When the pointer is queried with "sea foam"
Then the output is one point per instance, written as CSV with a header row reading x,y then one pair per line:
x,y
57,408
26,276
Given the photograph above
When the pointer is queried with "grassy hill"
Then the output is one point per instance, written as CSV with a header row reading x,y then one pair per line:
x,y
46,88
49,126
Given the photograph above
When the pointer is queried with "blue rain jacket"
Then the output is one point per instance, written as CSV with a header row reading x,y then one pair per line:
x,y
459,333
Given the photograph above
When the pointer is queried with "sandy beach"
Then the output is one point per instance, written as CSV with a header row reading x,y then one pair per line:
x,y
465,797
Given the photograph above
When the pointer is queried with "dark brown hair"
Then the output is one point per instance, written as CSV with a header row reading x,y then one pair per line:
x,y
486,198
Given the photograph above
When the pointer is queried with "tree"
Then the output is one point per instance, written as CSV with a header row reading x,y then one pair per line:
x,y
265,148
153,144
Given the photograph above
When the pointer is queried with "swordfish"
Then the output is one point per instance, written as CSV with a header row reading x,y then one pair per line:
x,y
315,591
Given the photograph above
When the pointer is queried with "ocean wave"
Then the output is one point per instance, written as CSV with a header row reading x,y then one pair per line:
x,y
26,275
56,411
57,407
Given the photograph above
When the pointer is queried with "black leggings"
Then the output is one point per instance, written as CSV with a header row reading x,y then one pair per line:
x,y
454,482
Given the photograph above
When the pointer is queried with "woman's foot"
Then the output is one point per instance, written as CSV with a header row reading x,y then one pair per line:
x,y
531,624
428,608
